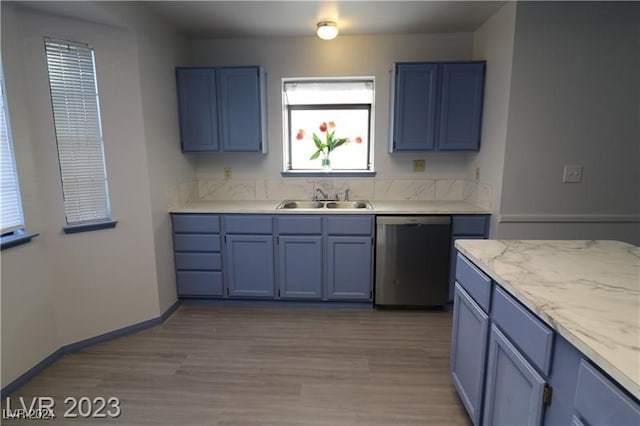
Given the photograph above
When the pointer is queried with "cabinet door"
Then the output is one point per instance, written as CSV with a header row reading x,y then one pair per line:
x,y
249,265
197,109
468,351
240,109
349,268
461,106
514,390
415,107
300,260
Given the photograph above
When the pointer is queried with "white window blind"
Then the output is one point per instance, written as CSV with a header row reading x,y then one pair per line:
x,y
11,218
329,91
76,112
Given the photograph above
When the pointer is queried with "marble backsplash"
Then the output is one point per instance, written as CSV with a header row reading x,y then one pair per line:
x,y
480,194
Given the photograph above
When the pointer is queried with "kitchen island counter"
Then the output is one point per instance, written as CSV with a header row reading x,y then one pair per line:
x,y
587,291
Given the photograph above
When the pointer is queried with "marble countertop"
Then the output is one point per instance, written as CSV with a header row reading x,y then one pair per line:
x,y
379,207
588,291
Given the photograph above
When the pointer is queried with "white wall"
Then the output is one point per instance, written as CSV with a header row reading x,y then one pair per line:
x,y
159,50
493,41
59,288
344,56
574,100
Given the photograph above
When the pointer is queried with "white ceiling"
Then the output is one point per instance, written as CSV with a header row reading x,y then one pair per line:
x,y
213,19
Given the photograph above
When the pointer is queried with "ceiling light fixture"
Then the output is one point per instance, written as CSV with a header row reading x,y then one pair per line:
x,y
327,30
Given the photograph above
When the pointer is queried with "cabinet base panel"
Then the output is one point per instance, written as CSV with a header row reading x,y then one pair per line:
x,y
278,303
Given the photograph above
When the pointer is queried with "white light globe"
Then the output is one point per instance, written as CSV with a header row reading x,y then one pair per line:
x,y
327,30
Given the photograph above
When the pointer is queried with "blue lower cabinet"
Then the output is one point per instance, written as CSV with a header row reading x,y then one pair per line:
x,y
475,227
300,267
199,283
468,352
514,390
198,261
349,268
249,266
599,401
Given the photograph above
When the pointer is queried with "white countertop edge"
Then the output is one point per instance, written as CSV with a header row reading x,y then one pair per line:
x,y
379,207
624,380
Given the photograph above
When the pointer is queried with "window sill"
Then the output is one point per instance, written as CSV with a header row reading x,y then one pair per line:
x,y
17,238
87,227
332,173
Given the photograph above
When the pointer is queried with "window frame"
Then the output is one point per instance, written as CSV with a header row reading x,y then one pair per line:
x,y
17,234
61,87
288,132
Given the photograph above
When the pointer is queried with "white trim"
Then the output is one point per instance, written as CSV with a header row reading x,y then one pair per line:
x,y
569,218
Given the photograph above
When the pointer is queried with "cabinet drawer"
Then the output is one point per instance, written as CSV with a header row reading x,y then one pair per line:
x,y
474,281
469,225
196,242
349,225
199,283
196,223
248,224
199,261
533,337
599,401
299,224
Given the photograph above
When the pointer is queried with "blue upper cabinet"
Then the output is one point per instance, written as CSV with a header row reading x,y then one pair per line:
x,y
222,109
415,107
240,109
198,109
461,106
438,106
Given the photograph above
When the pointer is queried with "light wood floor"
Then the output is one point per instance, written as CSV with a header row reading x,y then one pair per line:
x,y
240,366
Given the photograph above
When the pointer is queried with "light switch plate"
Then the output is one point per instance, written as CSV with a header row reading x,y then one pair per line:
x,y
572,174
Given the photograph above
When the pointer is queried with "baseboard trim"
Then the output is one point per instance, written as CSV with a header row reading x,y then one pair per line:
x,y
259,303
170,310
73,347
569,218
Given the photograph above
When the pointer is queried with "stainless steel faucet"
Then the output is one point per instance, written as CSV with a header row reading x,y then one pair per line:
x,y
325,196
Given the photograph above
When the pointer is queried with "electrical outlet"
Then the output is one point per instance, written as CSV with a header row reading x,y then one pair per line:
x,y
227,173
419,165
572,174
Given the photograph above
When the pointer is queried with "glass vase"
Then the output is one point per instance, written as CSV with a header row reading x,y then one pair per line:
x,y
326,164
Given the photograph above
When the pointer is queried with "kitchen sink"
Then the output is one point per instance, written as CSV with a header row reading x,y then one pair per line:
x,y
347,205
315,205
288,204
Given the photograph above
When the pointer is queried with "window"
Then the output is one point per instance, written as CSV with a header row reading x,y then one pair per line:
x,y
328,125
76,113
11,218
12,232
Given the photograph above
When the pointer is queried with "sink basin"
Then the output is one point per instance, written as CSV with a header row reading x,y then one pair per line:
x,y
315,205
347,205
288,204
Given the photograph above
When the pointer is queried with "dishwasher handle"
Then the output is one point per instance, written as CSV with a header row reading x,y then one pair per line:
x,y
413,220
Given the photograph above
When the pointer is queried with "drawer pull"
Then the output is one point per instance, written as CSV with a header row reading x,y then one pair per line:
x,y
547,394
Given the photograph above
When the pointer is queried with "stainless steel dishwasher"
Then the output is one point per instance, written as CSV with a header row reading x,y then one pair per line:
x,y
412,260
